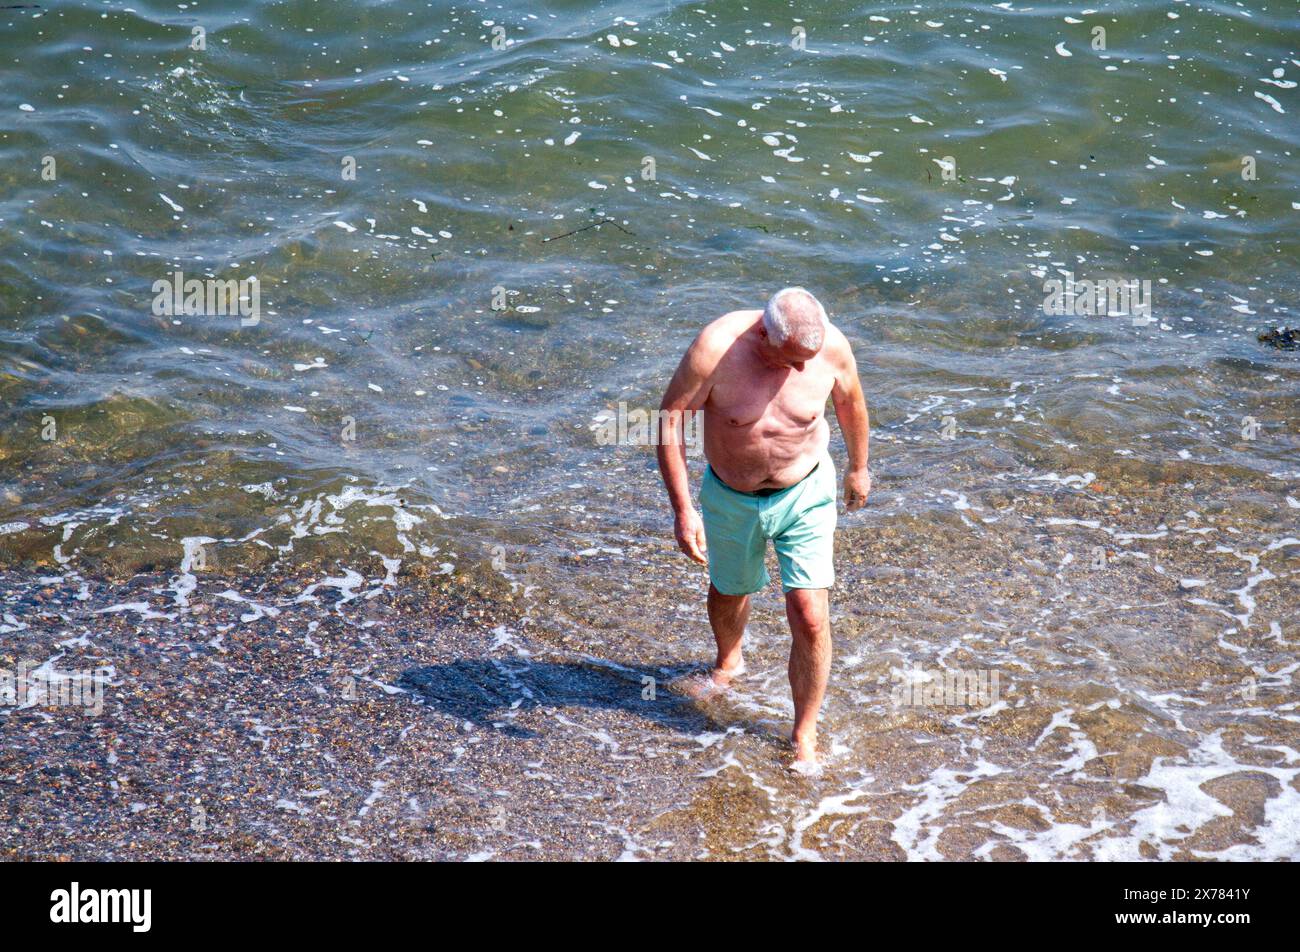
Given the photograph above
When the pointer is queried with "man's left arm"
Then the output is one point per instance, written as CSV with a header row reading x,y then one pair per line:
x,y
851,411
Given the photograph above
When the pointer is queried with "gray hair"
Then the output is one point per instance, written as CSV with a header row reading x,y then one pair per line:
x,y
795,315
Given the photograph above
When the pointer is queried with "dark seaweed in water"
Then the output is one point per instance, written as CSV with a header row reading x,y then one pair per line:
x,y
1283,338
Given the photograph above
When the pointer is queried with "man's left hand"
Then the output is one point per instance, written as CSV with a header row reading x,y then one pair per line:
x,y
857,483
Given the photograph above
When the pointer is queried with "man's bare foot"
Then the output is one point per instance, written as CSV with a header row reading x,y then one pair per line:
x,y
723,675
805,757
717,681
806,768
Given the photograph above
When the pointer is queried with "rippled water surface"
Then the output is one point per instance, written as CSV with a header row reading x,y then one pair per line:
x,y
549,200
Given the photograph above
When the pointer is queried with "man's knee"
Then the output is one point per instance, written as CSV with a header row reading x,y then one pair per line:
x,y
807,610
722,598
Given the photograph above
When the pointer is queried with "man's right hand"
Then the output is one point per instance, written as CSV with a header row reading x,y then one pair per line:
x,y
689,529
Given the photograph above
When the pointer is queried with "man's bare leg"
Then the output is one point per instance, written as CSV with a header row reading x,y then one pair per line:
x,y
728,615
808,610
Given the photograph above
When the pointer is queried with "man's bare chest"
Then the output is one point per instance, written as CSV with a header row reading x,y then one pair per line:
x,y
789,398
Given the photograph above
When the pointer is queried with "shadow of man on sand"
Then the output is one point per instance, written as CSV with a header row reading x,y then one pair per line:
x,y
484,690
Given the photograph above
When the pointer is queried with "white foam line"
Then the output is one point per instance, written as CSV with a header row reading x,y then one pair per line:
x,y
1058,841
376,794
1187,807
347,584
259,611
142,608
1059,719
837,805
186,583
600,737
939,790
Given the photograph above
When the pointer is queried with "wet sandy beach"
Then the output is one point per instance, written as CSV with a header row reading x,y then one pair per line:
x,y
1144,710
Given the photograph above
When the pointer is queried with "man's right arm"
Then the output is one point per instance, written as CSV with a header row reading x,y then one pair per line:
x,y
687,393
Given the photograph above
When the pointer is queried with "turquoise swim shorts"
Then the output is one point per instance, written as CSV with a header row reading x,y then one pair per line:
x,y
800,521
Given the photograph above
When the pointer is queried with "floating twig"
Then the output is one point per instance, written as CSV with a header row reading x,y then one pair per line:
x,y
595,224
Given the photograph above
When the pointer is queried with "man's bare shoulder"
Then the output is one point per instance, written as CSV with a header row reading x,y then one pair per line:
x,y
836,347
718,336
724,330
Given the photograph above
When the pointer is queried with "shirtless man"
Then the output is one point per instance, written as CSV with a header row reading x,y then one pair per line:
x,y
761,379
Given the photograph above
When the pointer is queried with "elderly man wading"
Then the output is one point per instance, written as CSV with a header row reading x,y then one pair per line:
x,y
761,379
